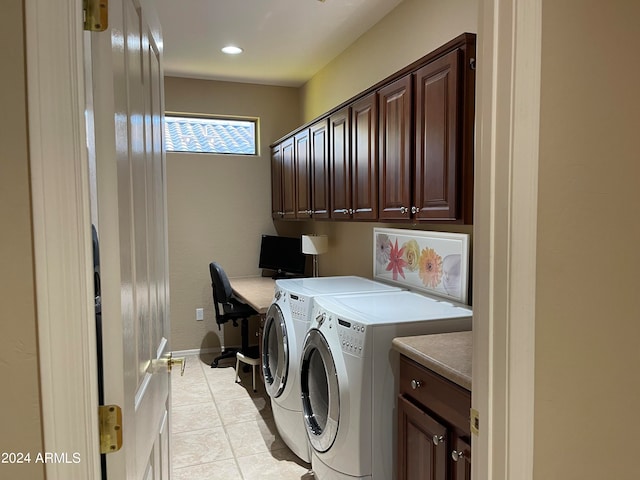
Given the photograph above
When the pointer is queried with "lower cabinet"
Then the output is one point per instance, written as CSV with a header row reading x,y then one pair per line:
x,y
434,440
461,455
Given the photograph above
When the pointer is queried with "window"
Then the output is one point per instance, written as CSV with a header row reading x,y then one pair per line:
x,y
210,135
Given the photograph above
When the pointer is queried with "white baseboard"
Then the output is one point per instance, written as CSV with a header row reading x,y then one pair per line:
x,y
200,351
196,351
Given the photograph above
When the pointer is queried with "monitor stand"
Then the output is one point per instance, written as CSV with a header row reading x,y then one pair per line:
x,y
281,275
284,275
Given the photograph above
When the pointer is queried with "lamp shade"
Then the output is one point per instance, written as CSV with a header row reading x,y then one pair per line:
x,y
315,244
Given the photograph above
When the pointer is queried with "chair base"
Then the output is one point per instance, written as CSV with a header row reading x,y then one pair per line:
x,y
254,362
227,353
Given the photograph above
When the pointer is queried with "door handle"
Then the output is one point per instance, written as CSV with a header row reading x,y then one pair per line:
x,y
182,361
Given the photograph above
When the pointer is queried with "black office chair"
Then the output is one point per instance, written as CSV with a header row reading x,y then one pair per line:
x,y
232,310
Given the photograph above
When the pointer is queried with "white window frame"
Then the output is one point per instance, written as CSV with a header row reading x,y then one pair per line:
x,y
205,118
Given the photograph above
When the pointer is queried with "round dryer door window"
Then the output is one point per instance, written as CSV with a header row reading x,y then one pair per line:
x,y
275,352
320,392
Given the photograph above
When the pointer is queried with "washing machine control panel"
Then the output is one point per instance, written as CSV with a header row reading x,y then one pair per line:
x,y
351,336
299,306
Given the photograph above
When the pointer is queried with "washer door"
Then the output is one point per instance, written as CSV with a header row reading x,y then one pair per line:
x,y
275,352
320,392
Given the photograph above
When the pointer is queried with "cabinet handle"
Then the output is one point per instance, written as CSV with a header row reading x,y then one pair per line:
x,y
438,439
415,209
416,384
351,211
404,210
346,211
456,455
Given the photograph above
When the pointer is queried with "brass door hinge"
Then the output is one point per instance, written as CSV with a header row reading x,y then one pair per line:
x,y
96,15
110,417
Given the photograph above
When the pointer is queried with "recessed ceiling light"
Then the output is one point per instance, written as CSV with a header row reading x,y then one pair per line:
x,y
232,50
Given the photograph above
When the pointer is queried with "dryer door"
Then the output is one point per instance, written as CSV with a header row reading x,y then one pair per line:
x,y
275,352
320,391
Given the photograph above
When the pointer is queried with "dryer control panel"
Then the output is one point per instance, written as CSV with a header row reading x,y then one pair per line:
x,y
351,336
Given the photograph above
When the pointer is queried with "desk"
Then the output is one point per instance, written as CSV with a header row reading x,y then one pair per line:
x,y
256,291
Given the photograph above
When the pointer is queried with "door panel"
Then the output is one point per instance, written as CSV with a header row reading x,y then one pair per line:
x,y
364,158
276,182
287,155
131,197
302,175
419,456
319,138
462,462
437,151
339,165
395,158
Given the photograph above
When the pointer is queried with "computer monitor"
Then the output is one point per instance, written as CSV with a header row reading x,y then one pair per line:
x,y
283,255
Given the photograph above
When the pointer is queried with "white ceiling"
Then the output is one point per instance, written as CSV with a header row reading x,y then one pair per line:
x,y
285,42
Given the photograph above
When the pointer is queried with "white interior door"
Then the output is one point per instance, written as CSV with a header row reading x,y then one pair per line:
x,y
130,189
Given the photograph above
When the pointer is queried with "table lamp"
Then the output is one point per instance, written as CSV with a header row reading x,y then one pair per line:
x,y
315,245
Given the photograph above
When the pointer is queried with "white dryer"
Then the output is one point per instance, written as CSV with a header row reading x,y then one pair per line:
x,y
286,324
349,377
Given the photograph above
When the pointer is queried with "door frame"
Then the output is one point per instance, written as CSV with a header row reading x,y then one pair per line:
x,y
62,235
506,213
506,190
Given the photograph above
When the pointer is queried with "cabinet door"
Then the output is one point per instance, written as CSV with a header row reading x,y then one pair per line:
x,y
364,158
287,152
319,138
276,182
461,460
422,444
339,165
438,139
302,175
395,155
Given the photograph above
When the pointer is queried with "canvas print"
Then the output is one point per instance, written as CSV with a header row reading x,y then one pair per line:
x,y
433,262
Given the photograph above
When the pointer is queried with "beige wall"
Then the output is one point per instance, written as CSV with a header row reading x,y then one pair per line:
x,y
588,232
588,259
219,205
410,31
20,412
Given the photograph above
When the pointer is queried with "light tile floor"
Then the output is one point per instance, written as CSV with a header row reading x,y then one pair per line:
x,y
222,430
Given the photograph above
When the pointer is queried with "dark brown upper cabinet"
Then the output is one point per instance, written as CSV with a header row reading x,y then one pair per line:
x,y
287,155
364,158
302,163
395,154
300,175
353,154
402,150
320,193
436,188
276,181
339,161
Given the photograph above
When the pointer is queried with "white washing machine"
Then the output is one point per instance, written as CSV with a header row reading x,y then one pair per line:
x,y
286,324
349,377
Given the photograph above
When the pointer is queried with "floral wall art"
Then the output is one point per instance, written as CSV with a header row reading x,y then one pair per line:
x,y
433,262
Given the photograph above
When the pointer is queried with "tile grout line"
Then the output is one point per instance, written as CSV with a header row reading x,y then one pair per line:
x,y
212,399
224,427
